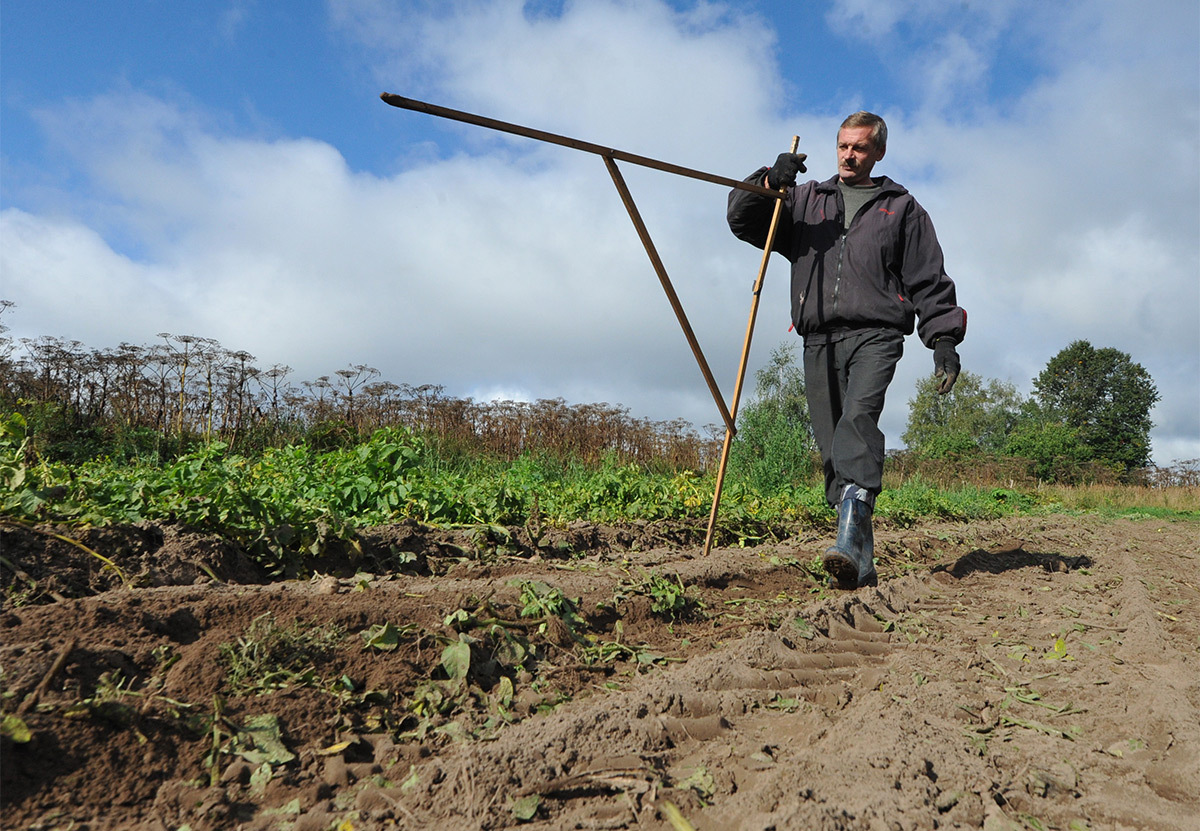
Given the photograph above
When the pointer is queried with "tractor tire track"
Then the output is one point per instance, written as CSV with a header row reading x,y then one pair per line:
x,y
1020,683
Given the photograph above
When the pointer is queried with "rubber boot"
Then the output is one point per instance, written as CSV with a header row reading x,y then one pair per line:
x,y
851,560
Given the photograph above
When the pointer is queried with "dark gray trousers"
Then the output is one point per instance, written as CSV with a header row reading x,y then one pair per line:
x,y
845,382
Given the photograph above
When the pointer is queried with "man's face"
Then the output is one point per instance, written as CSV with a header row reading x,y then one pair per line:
x,y
856,155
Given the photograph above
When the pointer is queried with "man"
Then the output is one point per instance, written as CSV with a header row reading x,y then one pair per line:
x,y
866,265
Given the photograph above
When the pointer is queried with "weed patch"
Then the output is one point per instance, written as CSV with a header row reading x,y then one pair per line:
x,y
270,657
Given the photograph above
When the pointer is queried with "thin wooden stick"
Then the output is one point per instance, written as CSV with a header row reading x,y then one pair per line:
x,y
32,699
627,198
737,389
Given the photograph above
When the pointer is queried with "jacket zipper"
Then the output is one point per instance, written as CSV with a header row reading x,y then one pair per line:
x,y
837,279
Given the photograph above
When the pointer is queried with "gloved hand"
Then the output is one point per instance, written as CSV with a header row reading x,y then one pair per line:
x,y
783,172
945,364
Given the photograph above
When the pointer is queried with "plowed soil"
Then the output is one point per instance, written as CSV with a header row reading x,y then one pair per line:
x,y
1039,673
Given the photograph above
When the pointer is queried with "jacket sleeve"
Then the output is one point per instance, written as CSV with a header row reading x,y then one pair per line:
x,y
931,291
749,215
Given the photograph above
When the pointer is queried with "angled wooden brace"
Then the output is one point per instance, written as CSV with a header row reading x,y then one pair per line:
x,y
611,156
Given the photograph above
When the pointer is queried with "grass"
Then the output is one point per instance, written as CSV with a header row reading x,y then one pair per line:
x,y
912,497
1181,502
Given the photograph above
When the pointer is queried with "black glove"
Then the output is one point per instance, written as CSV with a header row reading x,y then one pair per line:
x,y
945,364
783,173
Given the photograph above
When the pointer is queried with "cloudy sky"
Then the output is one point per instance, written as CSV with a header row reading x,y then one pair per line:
x,y
226,169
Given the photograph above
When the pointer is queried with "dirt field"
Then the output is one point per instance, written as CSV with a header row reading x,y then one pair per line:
x,y
1038,673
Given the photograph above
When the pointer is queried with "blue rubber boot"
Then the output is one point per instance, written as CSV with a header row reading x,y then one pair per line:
x,y
851,560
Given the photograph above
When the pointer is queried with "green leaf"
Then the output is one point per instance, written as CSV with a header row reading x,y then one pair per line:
x,y
526,808
456,660
382,636
16,729
260,741
459,620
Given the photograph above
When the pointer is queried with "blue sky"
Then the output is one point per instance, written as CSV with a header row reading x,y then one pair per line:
x,y
226,169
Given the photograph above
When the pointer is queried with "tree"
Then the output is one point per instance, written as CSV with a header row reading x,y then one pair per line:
x,y
1105,398
774,445
1053,448
974,417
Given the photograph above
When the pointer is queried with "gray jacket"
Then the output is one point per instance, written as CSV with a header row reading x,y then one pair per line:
x,y
885,271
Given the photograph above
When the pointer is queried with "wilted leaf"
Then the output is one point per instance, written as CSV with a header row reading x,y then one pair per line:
x,y
526,808
414,779
701,781
504,691
804,629
456,660
1059,652
676,818
260,778
292,807
260,741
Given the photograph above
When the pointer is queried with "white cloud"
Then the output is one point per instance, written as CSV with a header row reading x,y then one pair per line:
x,y
952,68
233,18
67,282
656,80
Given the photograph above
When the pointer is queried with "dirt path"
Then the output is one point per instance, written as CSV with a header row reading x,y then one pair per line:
x,y
1039,673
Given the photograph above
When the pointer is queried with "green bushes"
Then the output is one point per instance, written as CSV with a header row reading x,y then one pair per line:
x,y
286,506
1088,420
774,447
290,503
1053,448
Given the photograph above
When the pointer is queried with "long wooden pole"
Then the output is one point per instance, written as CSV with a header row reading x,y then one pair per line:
x,y
576,144
737,389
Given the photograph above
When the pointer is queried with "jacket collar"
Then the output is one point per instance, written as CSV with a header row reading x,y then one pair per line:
x,y
886,184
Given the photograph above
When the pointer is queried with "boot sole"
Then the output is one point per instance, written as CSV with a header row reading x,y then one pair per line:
x,y
842,569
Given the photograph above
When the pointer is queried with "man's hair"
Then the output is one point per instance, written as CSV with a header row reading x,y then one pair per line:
x,y
862,118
